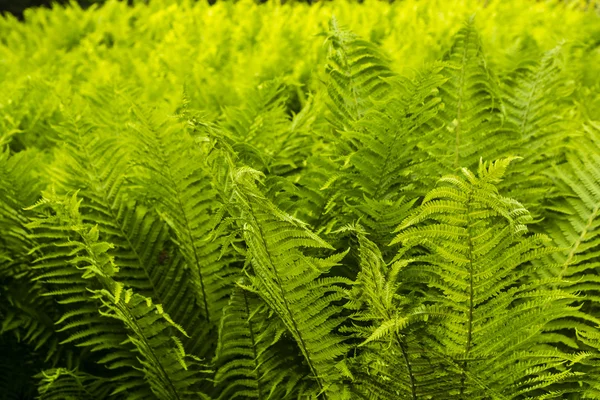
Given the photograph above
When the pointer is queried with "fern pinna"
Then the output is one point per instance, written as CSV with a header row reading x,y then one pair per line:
x,y
265,201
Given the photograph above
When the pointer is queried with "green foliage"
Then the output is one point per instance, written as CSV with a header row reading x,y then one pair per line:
x,y
338,201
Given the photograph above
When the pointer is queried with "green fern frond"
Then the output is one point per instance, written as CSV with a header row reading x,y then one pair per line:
x,y
187,200
20,184
536,106
291,282
170,373
357,70
94,163
472,113
61,383
25,311
252,362
257,125
104,321
573,221
384,176
391,349
471,249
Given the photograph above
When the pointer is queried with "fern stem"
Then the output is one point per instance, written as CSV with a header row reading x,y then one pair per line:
x,y
413,388
470,317
254,352
285,302
580,239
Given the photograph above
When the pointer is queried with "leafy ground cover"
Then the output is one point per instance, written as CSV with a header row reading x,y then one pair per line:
x,y
336,201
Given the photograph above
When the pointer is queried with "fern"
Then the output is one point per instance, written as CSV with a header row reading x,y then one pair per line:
x,y
243,201
160,361
61,383
391,350
289,280
473,113
148,261
187,202
534,93
386,173
470,247
250,352
356,70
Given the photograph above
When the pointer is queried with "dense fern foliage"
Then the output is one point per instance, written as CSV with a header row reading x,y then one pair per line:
x,y
339,201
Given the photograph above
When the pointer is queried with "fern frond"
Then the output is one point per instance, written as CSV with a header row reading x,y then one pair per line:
x,y
472,111
251,359
62,383
385,175
95,164
161,355
140,337
24,309
357,70
187,201
258,124
574,217
535,106
391,349
291,282
471,249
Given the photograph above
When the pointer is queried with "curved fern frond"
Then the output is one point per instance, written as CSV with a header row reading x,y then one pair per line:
x,y
574,217
24,310
473,113
95,165
258,124
251,360
391,349
142,339
534,102
577,215
385,175
291,282
161,355
62,383
471,249
531,96
187,201
356,69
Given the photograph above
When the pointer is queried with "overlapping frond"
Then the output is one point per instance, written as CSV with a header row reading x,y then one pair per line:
x,y
390,348
292,282
94,163
133,338
573,223
471,250
382,179
251,357
24,310
62,383
357,70
20,185
258,124
174,174
534,100
243,201
472,113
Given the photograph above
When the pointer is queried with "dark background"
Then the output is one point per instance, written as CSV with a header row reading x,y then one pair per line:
x,y
16,7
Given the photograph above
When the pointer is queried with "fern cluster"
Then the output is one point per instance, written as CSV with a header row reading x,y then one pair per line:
x,y
339,201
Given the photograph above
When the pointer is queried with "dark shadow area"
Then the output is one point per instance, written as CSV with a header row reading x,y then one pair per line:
x,y
17,7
